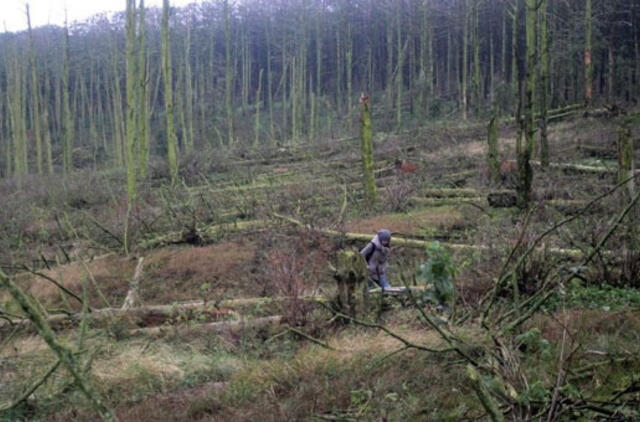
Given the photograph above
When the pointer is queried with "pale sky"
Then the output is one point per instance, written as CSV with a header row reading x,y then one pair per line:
x,y
13,16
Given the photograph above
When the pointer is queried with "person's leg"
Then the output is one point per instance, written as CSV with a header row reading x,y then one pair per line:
x,y
384,283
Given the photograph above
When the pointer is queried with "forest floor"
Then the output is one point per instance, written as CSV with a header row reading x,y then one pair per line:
x,y
215,252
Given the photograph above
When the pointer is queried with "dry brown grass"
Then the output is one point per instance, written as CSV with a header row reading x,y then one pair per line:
x,y
412,222
111,275
586,324
178,274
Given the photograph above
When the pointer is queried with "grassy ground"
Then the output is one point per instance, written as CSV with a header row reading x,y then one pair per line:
x,y
73,233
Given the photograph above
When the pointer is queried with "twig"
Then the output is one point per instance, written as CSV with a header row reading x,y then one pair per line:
x,y
439,330
387,356
63,353
54,282
387,331
311,339
559,379
104,229
31,389
567,220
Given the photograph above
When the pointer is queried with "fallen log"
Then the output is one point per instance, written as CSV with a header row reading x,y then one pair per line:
x,y
217,328
449,193
507,199
439,202
460,178
415,243
159,314
205,234
502,199
569,168
598,152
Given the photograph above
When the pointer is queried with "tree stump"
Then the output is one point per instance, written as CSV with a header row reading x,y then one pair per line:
x,y
351,275
502,199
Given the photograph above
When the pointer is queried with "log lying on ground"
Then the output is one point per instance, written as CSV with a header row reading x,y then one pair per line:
x,y
449,193
439,202
571,206
204,235
415,243
224,327
555,114
502,199
460,178
159,314
569,168
507,199
598,152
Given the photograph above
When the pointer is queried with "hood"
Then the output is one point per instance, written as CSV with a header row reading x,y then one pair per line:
x,y
376,241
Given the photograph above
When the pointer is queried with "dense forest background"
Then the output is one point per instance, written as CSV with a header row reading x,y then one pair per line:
x,y
267,73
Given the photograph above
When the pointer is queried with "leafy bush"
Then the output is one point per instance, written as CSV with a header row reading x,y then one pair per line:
x,y
440,272
605,297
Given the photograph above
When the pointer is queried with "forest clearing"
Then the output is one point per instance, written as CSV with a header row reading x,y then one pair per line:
x,y
188,194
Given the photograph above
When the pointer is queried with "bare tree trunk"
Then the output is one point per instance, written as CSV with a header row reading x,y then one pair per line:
x,y
465,58
369,181
67,122
588,65
168,93
35,98
544,85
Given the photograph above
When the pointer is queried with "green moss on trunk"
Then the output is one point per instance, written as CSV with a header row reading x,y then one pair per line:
x,y
369,181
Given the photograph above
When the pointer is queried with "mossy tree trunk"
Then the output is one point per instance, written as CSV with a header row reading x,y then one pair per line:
x,y
525,172
67,119
35,99
544,85
228,73
493,153
476,60
465,59
400,67
625,159
588,64
369,181
131,103
172,151
351,276
514,46
143,97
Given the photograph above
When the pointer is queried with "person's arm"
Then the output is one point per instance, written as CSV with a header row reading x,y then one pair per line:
x,y
367,249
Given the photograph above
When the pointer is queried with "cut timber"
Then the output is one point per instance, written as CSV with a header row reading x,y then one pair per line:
x,y
449,193
414,243
507,199
439,202
502,199
225,327
351,276
460,178
205,234
555,114
569,206
132,299
158,314
598,152
569,168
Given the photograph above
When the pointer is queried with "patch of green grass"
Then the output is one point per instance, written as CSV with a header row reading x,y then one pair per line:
x,y
604,297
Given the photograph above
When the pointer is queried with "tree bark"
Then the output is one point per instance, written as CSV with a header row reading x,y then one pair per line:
x,y
369,182
168,94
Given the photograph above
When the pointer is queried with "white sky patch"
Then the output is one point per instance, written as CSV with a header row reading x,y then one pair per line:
x,y
13,14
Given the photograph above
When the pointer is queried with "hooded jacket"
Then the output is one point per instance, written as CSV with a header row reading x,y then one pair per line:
x,y
377,264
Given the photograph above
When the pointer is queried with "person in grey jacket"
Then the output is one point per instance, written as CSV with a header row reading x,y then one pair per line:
x,y
376,254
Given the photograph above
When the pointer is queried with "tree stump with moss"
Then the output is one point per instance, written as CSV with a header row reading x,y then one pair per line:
x,y
351,275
